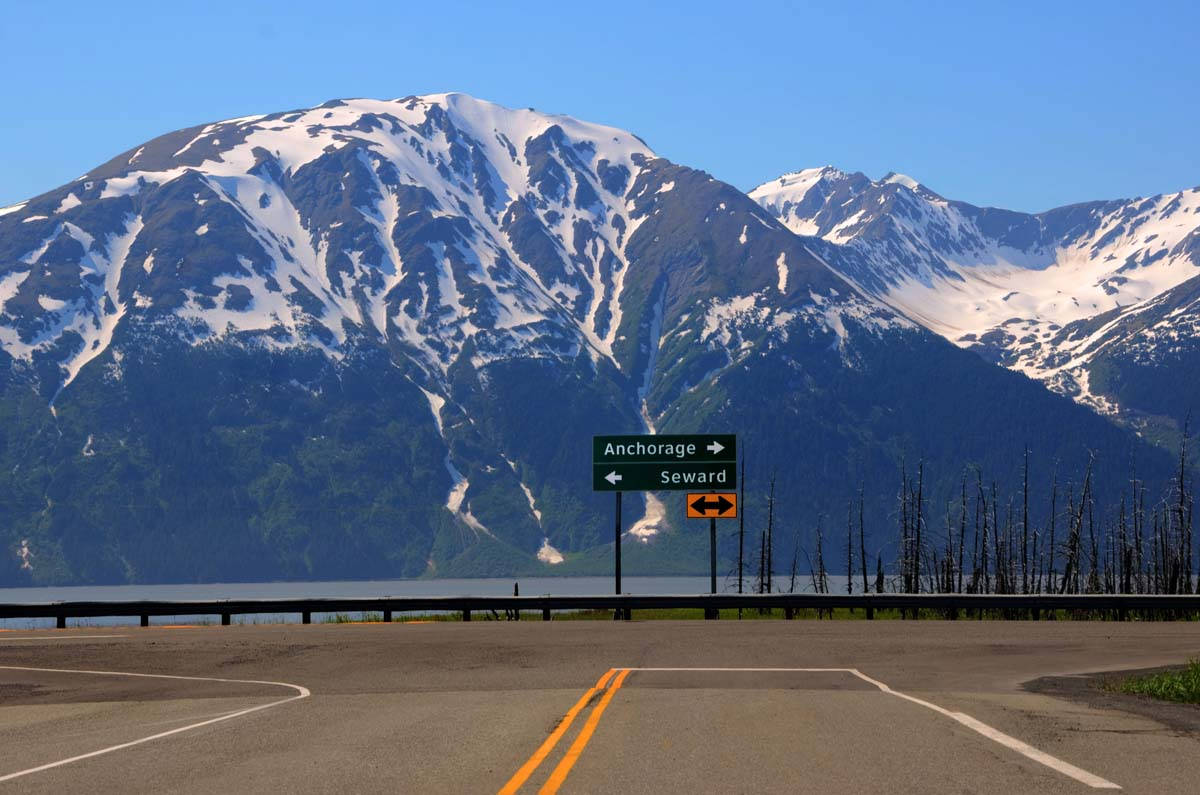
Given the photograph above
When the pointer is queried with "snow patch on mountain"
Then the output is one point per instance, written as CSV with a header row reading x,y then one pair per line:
x,y
901,179
548,554
70,201
97,329
653,521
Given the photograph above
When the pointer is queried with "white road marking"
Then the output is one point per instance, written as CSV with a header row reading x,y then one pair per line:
x,y
1021,747
301,692
978,726
60,637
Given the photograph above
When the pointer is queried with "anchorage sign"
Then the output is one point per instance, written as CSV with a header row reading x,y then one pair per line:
x,y
664,463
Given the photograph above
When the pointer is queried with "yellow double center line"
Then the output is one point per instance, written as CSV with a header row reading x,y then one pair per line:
x,y
559,775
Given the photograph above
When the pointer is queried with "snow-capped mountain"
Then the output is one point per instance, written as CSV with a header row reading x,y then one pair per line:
x,y
1088,298
372,338
411,221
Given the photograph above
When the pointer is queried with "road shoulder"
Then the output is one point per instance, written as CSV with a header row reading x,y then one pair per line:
x,y
1088,689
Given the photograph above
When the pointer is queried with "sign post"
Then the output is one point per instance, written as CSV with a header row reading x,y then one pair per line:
x,y
712,506
670,463
712,552
617,540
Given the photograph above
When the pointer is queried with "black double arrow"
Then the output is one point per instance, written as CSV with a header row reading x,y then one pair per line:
x,y
709,504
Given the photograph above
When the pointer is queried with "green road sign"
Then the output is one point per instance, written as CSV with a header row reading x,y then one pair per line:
x,y
664,463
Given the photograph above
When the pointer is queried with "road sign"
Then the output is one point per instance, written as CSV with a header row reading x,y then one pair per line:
x,y
668,476
657,449
664,463
712,506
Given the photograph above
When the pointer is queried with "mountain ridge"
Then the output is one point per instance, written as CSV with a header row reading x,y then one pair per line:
x,y
1025,290
375,337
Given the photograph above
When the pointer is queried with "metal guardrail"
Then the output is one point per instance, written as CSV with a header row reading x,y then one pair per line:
x,y
1116,605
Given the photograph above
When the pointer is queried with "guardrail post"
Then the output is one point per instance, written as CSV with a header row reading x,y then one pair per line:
x,y
225,619
788,613
466,615
545,614
306,617
60,621
387,616
145,620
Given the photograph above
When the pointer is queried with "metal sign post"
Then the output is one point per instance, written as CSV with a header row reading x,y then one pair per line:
x,y
712,506
617,546
712,613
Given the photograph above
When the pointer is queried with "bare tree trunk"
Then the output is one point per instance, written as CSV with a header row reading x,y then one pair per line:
x,y
822,578
1093,573
862,541
962,532
1123,573
770,532
1139,544
918,521
983,544
1071,575
1183,511
975,570
762,561
741,523
849,547
1025,525
904,555
1051,586
795,561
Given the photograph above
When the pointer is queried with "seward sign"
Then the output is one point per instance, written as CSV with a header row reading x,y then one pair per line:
x,y
664,463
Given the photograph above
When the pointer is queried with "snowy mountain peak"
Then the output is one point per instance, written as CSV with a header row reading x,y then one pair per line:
x,y
892,178
442,223
452,231
1049,294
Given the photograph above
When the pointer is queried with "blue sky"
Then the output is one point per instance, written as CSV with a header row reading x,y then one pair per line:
x,y
1020,105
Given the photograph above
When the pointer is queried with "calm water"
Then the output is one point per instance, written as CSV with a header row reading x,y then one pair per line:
x,y
529,586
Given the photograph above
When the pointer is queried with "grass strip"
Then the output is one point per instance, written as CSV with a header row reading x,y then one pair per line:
x,y
1182,686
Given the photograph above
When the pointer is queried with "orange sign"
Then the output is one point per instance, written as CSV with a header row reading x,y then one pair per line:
x,y
712,506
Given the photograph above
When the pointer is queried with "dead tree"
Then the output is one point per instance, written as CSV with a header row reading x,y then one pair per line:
x,y
742,524
862,540
962,532
822,577
1051,574
1071,573
770,532
849,548
1025,525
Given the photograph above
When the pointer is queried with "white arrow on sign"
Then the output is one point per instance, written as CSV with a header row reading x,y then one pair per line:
x,y
612,477
715,447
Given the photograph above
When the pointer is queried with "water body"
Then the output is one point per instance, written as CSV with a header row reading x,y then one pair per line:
x,y
496,586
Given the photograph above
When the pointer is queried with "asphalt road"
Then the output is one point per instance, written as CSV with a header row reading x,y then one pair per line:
x,y
575,707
